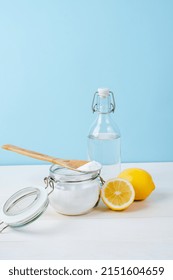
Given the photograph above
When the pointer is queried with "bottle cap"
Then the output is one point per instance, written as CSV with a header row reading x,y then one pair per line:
x,y
103,92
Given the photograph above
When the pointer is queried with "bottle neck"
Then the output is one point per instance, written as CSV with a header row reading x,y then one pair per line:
x,y
103,105
104,119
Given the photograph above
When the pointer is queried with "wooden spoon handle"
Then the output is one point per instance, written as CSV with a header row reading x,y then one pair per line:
x,y
71,164
29,153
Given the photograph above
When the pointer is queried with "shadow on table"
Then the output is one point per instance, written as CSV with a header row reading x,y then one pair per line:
x,y
153,202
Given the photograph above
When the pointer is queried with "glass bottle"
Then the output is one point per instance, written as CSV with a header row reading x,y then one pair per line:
x,y
104,135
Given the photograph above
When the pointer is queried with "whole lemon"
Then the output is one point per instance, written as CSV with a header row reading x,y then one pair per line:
x,y
141,181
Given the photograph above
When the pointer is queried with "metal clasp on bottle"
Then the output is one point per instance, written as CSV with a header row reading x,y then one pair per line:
x,y
94,104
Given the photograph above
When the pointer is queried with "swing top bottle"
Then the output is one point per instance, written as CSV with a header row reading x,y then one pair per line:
x,y
104,135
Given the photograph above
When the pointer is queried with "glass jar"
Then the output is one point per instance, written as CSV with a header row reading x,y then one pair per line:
x,y
69,192
74,193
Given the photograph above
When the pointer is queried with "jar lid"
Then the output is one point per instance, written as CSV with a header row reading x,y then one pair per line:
x,y
24,206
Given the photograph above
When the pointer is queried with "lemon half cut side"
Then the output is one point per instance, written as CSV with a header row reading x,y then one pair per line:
x,y
117,194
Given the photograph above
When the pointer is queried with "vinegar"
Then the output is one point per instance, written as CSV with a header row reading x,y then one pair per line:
x,y
105,148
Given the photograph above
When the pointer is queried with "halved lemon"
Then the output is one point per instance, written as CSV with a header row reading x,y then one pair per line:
x,y
117,194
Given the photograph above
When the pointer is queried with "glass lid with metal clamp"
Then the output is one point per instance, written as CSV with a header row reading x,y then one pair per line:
x,y
24,207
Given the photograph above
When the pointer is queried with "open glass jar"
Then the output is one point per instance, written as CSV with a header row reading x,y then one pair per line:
x,y
70,193
74,192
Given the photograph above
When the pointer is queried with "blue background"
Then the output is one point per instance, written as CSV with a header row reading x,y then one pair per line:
x,y
54,55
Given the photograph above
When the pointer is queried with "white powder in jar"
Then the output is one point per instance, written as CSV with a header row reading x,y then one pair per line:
x,y
90,166
78,197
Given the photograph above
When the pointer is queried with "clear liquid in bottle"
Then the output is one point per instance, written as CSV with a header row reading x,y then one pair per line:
x,y
106,149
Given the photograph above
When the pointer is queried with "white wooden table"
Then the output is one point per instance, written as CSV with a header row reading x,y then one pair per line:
x,y
143,231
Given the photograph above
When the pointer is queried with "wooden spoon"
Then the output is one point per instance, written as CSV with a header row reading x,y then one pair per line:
x,y
70,164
